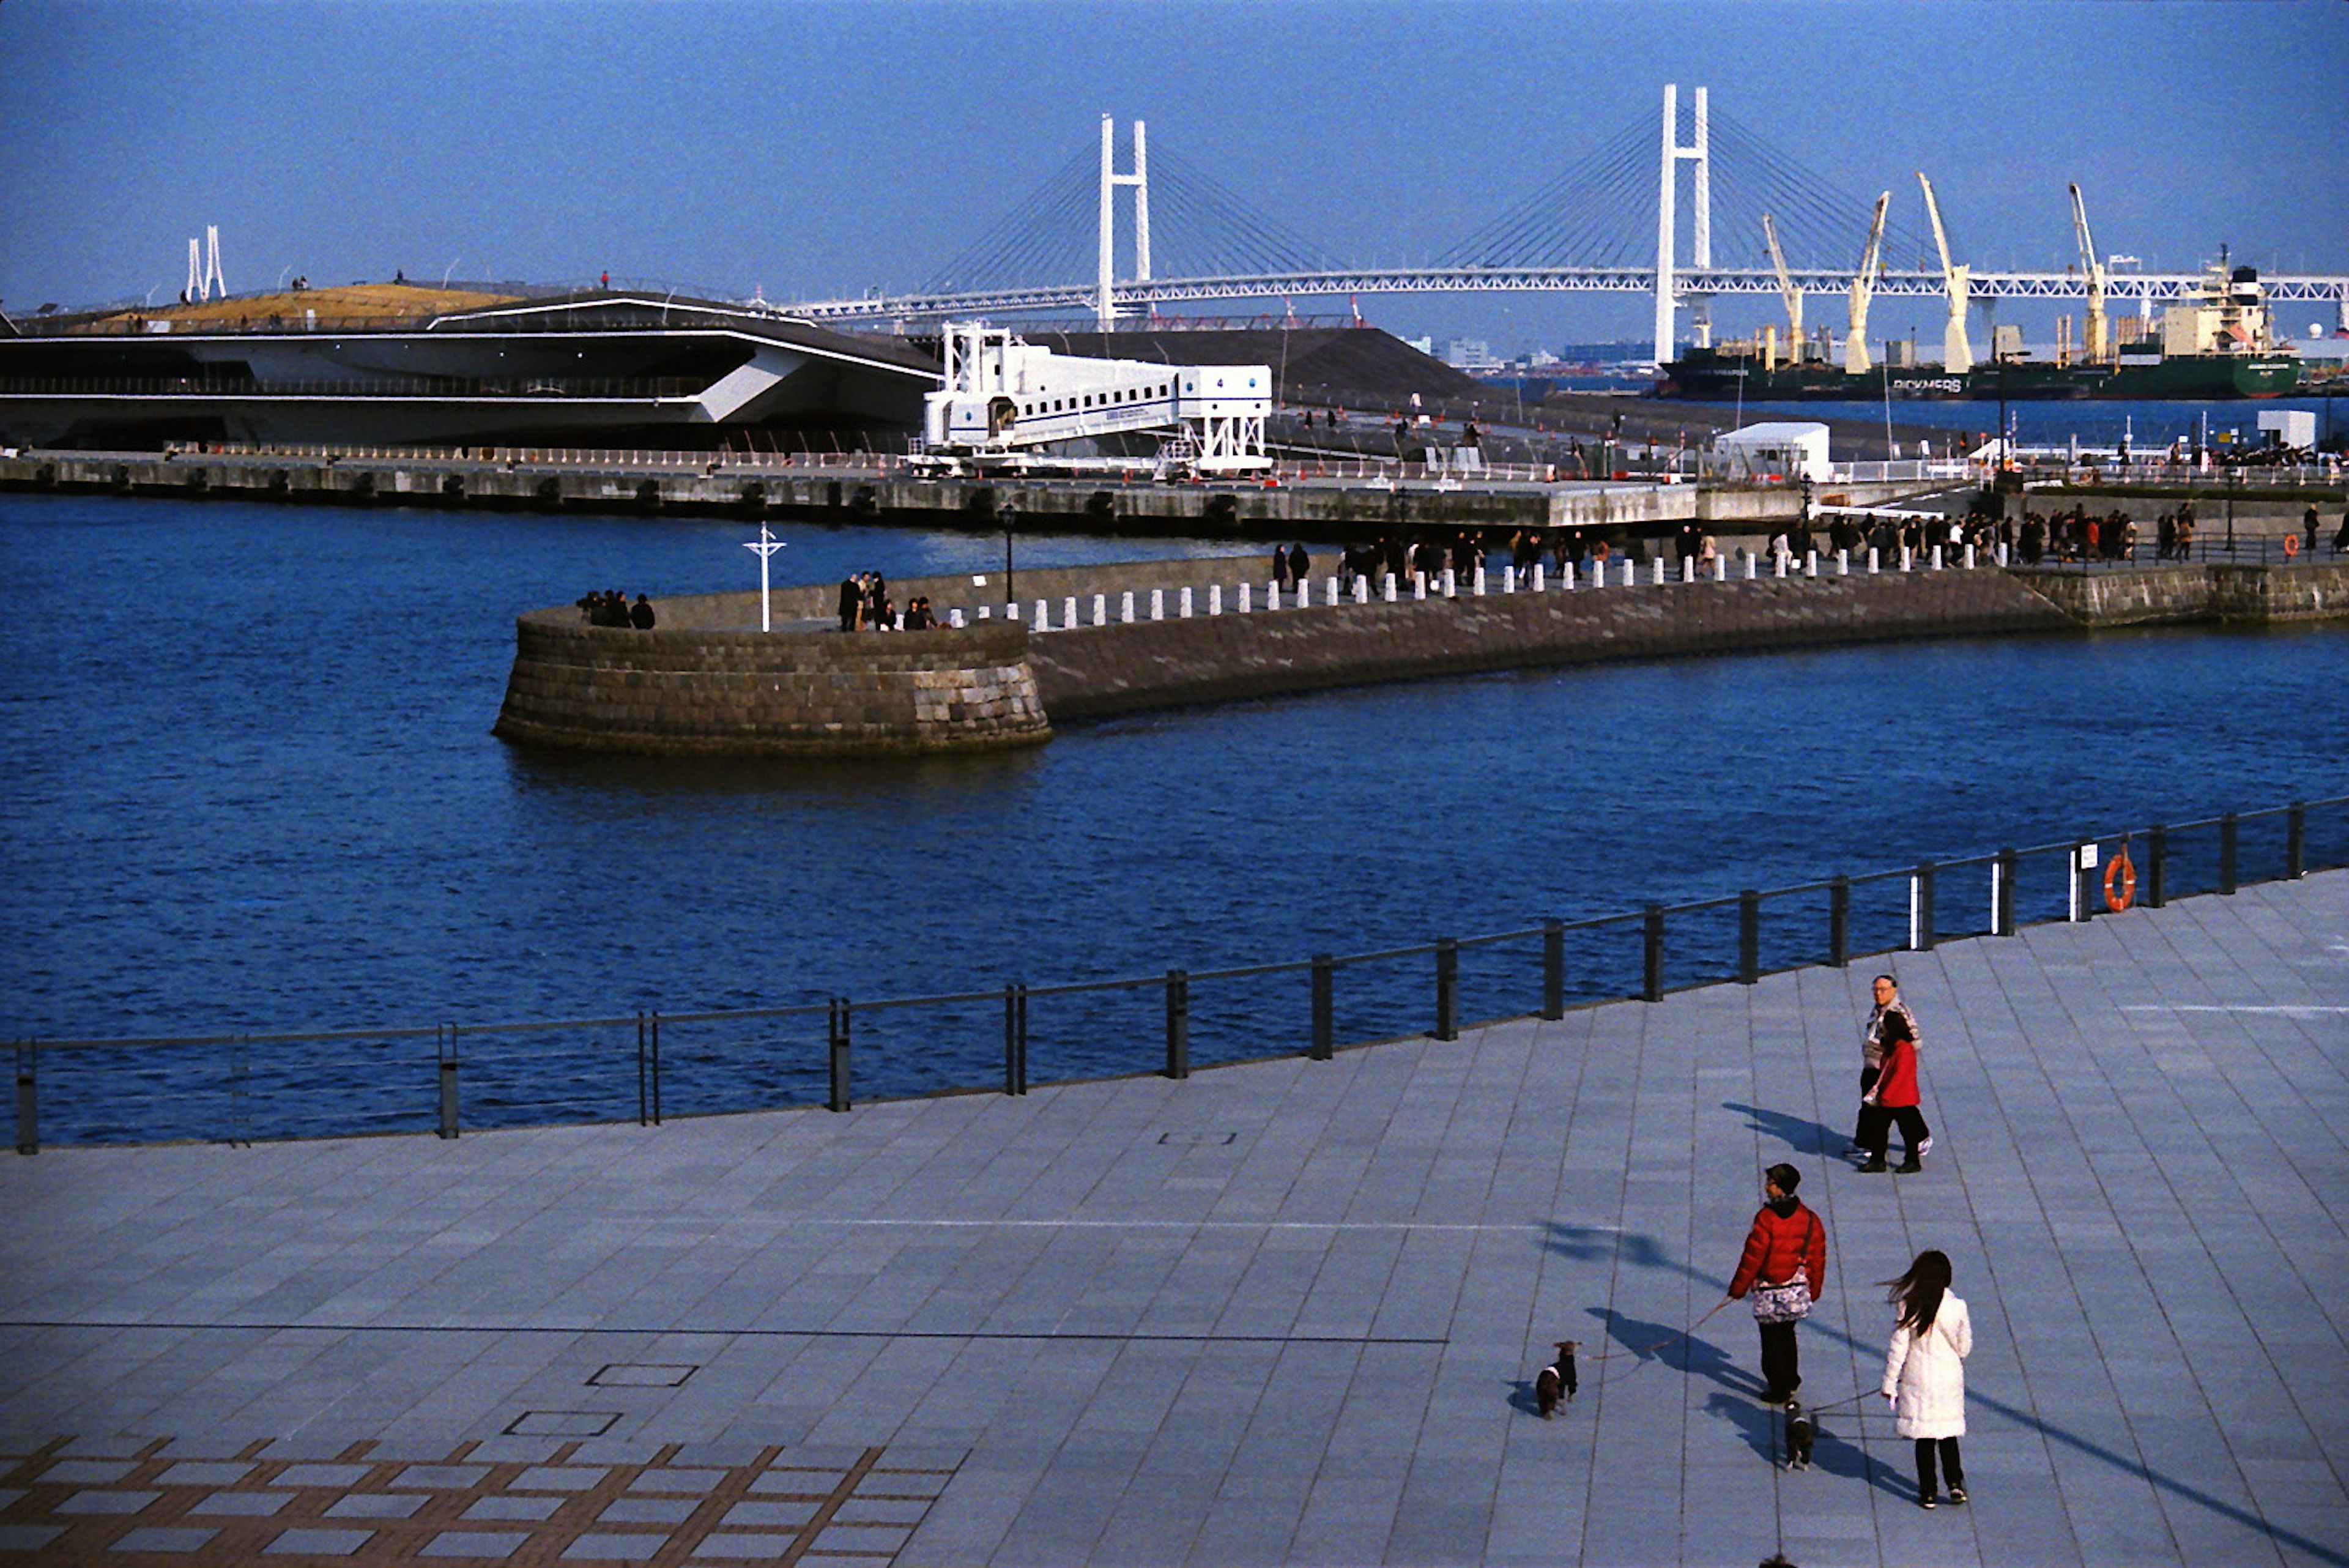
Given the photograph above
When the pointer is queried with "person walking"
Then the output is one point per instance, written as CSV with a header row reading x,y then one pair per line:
x,y
1871,1051
1785,1266
1894,1098
1925,1372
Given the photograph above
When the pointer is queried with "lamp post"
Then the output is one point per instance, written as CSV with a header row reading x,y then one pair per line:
x,y
1008,514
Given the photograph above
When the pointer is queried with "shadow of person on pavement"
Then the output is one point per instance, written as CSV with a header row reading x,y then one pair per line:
x,y
1667,1345
1799,1134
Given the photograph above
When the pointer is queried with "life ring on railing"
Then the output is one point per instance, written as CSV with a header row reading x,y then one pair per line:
x,y
2120,881
2291,546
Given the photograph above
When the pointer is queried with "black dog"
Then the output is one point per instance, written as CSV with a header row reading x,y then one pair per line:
x,y
1557,1381
1798,1438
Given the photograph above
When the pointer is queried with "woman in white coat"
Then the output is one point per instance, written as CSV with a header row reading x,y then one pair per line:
x,y
1925,1374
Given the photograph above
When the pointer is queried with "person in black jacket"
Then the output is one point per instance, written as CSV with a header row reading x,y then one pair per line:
x,y
640,614
852,600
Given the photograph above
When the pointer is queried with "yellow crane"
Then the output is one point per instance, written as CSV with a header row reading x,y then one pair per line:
x,y
1786,289
1957,351
1863,289
2097,345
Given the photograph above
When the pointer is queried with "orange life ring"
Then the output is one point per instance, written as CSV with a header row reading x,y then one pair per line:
x,y
2120,882
2291,546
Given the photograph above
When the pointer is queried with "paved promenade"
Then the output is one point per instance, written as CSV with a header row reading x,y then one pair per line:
x,y
1278,1314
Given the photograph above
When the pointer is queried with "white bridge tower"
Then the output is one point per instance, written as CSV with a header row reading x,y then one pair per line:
x,y
1699,152
1105,301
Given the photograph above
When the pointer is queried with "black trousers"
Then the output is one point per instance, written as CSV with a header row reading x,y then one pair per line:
x,y
1782,1370
1867,1076
1926,1486
1876,1126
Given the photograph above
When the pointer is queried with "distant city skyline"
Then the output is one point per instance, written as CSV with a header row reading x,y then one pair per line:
x,y
813,150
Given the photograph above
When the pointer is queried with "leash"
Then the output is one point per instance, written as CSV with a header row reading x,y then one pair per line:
x,y
1648,1350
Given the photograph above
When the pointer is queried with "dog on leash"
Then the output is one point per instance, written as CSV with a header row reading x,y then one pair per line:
x,y
1799,1433
1556,1383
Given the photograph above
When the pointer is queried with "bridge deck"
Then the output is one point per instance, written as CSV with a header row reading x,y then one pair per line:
x,y
1280,1313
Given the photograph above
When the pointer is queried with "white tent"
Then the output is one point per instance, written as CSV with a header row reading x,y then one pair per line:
x,y
1783,449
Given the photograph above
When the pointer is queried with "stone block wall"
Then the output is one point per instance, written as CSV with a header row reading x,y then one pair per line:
x,y
2180,595
681,690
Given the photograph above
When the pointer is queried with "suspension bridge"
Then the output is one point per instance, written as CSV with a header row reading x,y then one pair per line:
x,y
1586,230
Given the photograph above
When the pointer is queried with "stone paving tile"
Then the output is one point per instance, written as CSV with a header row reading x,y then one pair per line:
x,y
1350,1267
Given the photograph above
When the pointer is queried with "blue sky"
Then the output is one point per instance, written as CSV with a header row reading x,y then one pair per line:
x,y
819,149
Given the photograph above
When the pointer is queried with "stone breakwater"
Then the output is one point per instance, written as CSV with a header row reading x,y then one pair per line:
x,y
702,684
688,690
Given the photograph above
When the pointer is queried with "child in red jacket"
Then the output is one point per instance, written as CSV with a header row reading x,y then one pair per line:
x,y
1894,1099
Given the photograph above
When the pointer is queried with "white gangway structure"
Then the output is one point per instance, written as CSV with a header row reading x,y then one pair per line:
x,y
1002,394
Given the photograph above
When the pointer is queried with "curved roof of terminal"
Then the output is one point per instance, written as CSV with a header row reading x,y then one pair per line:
x,y
403,307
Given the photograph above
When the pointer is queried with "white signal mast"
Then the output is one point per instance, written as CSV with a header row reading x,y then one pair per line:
x,y
1957,350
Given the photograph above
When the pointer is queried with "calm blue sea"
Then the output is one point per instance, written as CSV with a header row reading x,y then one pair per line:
x,y
249,785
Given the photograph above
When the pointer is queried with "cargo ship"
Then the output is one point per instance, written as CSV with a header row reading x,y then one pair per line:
x,y
2214,346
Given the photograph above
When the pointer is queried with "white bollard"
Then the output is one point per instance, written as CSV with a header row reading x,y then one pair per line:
x,y
1908,558
1419,585
1843,562
1101,610
1750,564
1304,593
1215,598
1126,606
1779,563
1875,563
1246,604
1565,576
1810,563
1329,585
1011,611
1390,588
1509,579
1069,613
1969,558
2002,552
1362,590
984,613
1158,604
1721,568
1688,569
954,619
1659,573
1272,596
1450,584
1182,604
1043,615
1937,557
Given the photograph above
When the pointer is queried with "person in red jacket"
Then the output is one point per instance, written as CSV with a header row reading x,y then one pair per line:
x,y
1894,1098
1785,1266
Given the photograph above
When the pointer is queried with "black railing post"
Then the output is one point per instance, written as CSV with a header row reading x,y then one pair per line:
x,y
1015,1039
1447,989
1749,936
1651,957
2156,866
2228,824
1325,1006
656,1076
445,1042
837,1047
1178,1024
1839,920
28,1097
1553,969
1924,932
2001,902
643,1096
2295,841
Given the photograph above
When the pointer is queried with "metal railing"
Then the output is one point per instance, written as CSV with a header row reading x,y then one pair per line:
x,y
638,388
647,1064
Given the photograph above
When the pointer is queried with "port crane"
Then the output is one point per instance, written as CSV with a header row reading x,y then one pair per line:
x,y
2098,348
1957,351
1863,290
1786,289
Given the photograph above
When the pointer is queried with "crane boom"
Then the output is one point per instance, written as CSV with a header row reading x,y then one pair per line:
x,y
1786,289
1863,288
1957,351
2094,269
